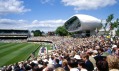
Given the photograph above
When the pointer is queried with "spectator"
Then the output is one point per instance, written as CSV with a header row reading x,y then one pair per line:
x,y
92,59
114,48
82,66
72,65
88,63
102,65
64,65
59,69
50,67
57,63
113,62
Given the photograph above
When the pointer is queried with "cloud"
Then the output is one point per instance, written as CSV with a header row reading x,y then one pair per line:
x,y
88,4
47,25
12,24
12,6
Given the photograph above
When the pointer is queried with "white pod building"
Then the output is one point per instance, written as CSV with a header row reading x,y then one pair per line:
x,y
83,23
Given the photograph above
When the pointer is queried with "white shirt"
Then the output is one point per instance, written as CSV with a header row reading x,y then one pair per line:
x,y
83,70
51,61
74,69
35,61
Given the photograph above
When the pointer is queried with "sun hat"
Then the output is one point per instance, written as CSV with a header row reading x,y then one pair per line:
x,y
114,46
77,57
95,51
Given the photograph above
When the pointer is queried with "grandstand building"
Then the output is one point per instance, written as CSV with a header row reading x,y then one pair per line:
x,y
85,25
14,34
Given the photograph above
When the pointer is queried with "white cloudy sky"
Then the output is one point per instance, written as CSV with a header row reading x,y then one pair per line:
x,y
47,15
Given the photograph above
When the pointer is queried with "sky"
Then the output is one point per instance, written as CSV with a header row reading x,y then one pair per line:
x,y
47,15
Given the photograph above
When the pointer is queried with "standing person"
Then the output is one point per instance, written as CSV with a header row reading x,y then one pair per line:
x,y
102,65
72,65
64,65
82,66
50,67
88,63
114,48
92,59
57,63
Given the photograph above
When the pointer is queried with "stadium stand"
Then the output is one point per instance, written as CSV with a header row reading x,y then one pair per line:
x,y
14,34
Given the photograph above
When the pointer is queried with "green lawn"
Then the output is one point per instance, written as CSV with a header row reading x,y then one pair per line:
x,y
49,46
13,52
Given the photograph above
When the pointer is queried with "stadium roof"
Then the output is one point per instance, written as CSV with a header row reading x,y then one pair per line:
x,y
81,22
86,18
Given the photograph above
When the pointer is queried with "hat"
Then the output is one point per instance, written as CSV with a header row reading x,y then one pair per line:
x,y
90,50
114,46
95,51
45,60
77,57
97,47
39,65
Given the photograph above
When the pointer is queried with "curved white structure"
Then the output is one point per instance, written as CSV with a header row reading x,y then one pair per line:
x,y
81,22
84,24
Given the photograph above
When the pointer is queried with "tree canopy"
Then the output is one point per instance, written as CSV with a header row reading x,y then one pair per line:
x,y
61,31
112,24
37,32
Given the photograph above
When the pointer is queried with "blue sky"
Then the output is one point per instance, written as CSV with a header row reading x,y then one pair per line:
x,y
47,15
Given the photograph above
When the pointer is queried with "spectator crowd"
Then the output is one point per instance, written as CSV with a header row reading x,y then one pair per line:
x,y
74,54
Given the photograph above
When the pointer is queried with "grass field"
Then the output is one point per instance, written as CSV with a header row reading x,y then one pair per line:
x,y
14,52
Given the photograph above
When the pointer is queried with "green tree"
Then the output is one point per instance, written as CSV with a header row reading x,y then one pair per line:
x,y
112,24
61,31
37,32
108,22
116,24
117,32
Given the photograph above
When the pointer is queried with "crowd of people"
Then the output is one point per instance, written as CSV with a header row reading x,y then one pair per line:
x,y
74,54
